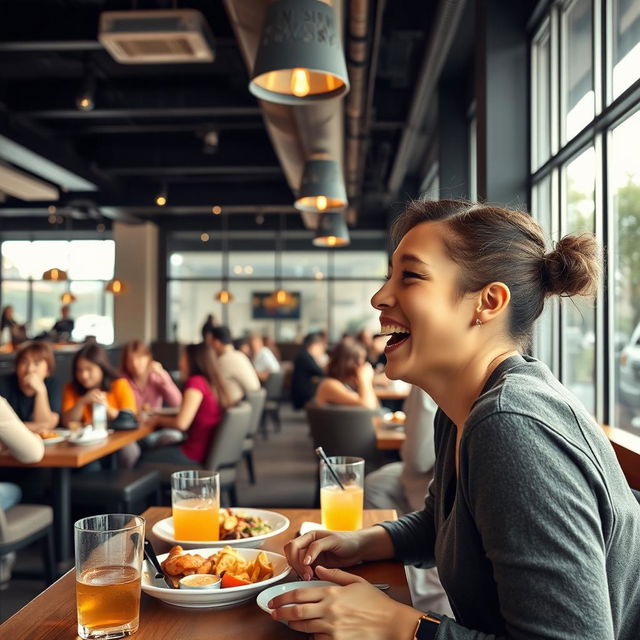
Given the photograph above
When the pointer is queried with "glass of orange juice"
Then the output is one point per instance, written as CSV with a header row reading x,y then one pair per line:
x,y
109,552
195,502
342,508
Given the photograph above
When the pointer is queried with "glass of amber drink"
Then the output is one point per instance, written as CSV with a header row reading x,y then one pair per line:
x,y
109,552
341,509
195,502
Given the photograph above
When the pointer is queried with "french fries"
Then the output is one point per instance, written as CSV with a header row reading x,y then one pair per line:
x,y
227,561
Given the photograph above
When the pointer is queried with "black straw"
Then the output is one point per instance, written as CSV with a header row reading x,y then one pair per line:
x,y
323,456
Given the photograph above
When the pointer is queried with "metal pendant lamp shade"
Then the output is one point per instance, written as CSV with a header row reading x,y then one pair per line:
x,y
55,275
332,230
114,286
322,187
300,57
68,298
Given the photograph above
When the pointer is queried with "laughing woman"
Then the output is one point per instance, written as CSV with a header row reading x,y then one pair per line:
x,y
529,519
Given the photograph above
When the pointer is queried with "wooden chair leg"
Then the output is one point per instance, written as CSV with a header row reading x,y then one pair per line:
x,y
248,458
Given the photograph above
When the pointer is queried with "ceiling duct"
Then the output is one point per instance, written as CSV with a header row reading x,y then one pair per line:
x,y
156,37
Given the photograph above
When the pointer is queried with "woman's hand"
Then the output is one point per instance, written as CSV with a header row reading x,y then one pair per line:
x,y
365,374
35,382
94,395
351,610
337,549
156,367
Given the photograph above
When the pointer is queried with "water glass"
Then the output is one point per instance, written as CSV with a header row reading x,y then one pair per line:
x,y
195,502
342,508
109,552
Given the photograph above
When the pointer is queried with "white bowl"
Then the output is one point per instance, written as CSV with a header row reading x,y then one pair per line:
x,y
279,523
279,589
213,597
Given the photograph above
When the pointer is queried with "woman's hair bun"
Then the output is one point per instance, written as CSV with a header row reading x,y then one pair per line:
x,y
573,267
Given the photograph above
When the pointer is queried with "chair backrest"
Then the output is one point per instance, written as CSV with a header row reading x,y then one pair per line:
x,y
256,399
345,431
274,385
3,525
636,494
226,445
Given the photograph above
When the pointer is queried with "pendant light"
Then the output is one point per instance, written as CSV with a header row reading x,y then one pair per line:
x,y
300,58
332,230
55,275
322,187
280,297
115,286
224,296
67,297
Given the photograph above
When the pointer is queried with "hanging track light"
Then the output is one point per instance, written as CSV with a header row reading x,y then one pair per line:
x,y
332,230
224,296
322,187
300,57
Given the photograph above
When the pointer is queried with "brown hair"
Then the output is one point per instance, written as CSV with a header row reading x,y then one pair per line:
x,y
201,362
97,355
39,351
133,347
345,359
492,244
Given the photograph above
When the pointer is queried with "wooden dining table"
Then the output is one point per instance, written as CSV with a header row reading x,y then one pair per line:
x,y
61,458
52,614
387,438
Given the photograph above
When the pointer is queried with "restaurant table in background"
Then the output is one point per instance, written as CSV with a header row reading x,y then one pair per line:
x,y
52,615
63,457
387,438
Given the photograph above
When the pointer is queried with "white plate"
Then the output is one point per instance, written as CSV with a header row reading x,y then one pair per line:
x,y
279,589
213,598
391,424
279,523
91,437
56,440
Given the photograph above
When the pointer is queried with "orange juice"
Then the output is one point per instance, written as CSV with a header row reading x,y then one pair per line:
x,y
196,519
342,510
108,597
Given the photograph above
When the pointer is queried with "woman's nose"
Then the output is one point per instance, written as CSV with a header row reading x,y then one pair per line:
x,y
383,298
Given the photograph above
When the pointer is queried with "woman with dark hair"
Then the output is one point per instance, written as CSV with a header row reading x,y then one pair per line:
x,y
152,386
11,331
32,391
349,378
95,381
529,518
201,410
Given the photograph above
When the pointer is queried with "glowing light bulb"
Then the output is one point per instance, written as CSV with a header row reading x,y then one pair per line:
x,y
281,296
300,83
332,241
321,203
204,237
117,286
161,201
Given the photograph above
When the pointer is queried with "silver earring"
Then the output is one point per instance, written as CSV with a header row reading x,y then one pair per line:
x,y
478,322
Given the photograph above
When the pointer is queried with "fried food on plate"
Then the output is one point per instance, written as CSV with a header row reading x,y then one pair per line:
x,y
227,562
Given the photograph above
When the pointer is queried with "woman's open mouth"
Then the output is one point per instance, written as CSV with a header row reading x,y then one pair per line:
x,y
398,336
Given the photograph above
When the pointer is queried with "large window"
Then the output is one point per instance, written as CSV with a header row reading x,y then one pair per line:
x,y
585,67
36,302
334,288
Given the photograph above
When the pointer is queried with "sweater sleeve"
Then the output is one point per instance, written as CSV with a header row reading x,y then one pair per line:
x,y
542,531
171,396
122,395
24,446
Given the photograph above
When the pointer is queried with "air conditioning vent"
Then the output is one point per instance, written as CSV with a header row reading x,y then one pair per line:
x,y
156,37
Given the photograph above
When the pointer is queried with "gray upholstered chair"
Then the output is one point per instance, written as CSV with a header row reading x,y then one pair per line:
x,y
225,451
25,523
636,494
274,386
257,401
345,431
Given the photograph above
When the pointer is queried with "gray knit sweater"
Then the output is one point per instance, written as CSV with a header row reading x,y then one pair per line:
x,y
538,536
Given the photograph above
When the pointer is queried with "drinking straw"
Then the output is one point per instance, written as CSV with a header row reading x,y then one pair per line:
x,y
323,456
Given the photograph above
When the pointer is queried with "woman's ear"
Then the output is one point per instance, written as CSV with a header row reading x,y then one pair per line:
x,y
494,299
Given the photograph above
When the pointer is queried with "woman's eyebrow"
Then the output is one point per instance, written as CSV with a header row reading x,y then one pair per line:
x,y
409,257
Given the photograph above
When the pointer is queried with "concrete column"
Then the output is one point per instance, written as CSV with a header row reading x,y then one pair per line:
x,y
136,309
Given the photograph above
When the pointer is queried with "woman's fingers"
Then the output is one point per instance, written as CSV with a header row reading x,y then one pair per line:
x,y
298,596
297,612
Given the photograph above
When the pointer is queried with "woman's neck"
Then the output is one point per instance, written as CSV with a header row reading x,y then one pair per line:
x,y
456,392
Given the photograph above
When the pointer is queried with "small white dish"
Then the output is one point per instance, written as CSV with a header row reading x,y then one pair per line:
x,y
279,589
50,441
279,523
89,436
307,526
200,581
213,598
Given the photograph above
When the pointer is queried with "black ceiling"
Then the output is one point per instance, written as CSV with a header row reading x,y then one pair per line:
x,y
149,121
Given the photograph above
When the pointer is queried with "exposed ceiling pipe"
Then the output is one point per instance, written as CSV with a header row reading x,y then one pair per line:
x,y
297,133
362,61
442,33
